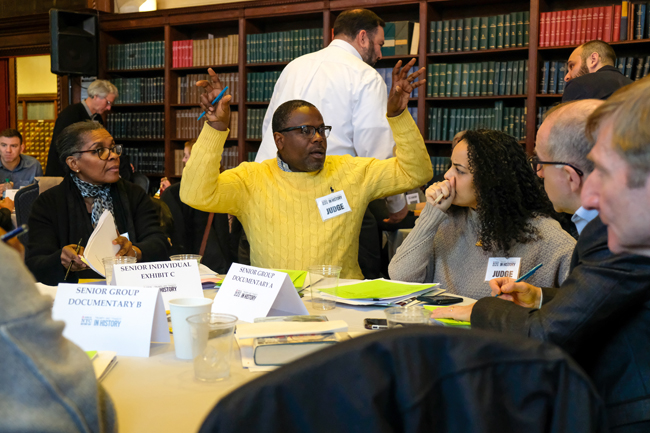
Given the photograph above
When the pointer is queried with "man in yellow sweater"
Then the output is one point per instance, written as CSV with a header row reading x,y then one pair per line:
x,y
305,208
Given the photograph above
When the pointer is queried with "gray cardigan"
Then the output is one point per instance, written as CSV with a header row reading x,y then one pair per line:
x,y
47,384
442,249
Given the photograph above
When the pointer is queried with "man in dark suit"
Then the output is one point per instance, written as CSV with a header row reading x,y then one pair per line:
x,y
601,313
101,96
591,73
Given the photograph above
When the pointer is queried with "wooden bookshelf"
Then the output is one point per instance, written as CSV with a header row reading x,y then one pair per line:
x,y
249,18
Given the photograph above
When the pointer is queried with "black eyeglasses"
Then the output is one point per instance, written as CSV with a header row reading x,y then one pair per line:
x,y
104,152
309,131
537,165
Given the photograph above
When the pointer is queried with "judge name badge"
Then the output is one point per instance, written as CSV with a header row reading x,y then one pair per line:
x,y
333,205
502,267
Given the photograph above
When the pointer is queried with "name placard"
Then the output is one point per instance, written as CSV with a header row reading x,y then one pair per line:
x,y
412,198
249,292
502,267
175,279
118,318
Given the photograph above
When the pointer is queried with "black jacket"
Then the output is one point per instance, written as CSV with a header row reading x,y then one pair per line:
x,y
600,315
71,114
597,85
59,217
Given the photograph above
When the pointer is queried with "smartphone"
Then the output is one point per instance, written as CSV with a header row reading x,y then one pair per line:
x,y
375,324
440,300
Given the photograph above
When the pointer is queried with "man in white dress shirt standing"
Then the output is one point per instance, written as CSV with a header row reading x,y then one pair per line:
x,y
341,82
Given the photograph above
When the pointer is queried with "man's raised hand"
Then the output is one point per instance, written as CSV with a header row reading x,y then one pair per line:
x,y
218,117
402,86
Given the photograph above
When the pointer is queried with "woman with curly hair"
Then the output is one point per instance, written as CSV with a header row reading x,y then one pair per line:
x,y
492,205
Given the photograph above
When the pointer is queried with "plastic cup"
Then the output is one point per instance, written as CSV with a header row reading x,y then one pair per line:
x,y
109,262
212,337
323,277
181,309
196,257
398,317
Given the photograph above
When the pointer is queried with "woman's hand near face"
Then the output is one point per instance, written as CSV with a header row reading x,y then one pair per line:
x,y
446,189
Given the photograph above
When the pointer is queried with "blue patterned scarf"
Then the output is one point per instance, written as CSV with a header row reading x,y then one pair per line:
x,y
101,198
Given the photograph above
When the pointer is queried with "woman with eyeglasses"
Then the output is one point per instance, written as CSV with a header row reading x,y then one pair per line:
x,y
490,205
63,215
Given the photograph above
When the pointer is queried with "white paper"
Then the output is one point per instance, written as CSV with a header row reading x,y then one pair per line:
x,y
175,279
11,193
502,267
248,292
273,329
103,363
100,243
120,319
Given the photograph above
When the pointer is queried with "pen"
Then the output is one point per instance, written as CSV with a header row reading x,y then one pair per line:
x,y
217,99
70,265
524,277
15,232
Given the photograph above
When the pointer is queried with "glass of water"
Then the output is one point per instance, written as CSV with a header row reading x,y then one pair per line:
x,y
212,338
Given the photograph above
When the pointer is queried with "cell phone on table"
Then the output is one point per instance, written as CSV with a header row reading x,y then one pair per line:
x,y
440,300
375,324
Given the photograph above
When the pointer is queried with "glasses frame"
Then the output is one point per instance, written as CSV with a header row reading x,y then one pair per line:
x,y
321,130
535,163
116,149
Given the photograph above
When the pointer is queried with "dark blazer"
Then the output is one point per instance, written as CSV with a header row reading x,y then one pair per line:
x,y
189,227
601,316
59,217
597,85
71,114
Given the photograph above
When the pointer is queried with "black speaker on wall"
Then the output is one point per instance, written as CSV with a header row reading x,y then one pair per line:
x,y
74,42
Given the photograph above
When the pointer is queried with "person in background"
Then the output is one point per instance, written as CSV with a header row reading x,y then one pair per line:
x,y
46,382
598,313
284,203
101,97
71,210
591,73
492,205
18,168
341,81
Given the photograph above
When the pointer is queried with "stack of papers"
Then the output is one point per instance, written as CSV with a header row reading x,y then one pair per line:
x,y
209,278
380,292
100,243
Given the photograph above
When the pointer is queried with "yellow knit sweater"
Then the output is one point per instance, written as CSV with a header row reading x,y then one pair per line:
x,y
278,209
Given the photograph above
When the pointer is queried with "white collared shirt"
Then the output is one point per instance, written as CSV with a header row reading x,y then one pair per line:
x,y
351,96
582,217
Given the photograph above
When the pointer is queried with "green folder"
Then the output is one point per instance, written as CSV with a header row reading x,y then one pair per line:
x,y
449,322
376,289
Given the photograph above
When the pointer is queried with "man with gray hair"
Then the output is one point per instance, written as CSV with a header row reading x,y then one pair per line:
x,y
599,314
101,96
591,73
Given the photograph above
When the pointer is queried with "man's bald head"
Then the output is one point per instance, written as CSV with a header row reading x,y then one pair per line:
x,y
563,136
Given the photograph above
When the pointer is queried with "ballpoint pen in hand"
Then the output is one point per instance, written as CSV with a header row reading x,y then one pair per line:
x,y
524,277
15,232
217,99
71,261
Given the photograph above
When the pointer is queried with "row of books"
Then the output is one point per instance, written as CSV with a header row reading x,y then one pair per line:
x,y
477,79
188,127
387,76
634,68
440,165
260,85
401,38
147,159
136,125
282,46
206,52
626,21
254,123
479,33
178,162
553,77
230,157
444,123
140,55
251,156
541,113
189,93
140,90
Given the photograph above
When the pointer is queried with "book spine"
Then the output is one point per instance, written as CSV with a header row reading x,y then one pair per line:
x,y
467,34
553,36
623,25
562,28
500,22
492,32
483,34
439,26
459,34
445,36
526,28
601,22
609,16
452,36
475,33
506,31
464,85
